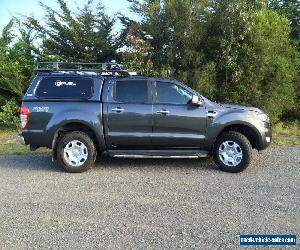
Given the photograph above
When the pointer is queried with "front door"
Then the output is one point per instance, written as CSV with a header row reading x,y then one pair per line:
x,y
129,114
176,122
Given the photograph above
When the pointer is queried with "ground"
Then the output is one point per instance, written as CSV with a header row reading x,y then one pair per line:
x,y
156,204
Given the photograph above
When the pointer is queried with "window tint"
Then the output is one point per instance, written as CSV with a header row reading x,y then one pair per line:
x,y
65,87
172,93
133,91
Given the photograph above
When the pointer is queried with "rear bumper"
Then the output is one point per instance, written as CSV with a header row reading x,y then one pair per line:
x,y
36,138
21,139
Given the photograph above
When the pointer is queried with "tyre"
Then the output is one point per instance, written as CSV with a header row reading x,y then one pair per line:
x,y
76,152
232,152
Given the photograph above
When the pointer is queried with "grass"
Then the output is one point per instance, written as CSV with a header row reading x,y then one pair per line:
x,y
283,134
9,144
286,133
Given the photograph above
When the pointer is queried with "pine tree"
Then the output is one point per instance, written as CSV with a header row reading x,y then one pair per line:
x,y
85,35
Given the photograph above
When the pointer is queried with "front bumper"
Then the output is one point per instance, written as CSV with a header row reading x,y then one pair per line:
x,y
266,136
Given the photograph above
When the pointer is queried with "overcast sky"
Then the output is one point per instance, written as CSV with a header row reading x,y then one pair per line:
x,y
8,8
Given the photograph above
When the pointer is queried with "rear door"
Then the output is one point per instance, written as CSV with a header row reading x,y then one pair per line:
x,y
129,114
177,123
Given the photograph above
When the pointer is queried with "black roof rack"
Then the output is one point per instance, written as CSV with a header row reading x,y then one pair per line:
x,y
105,69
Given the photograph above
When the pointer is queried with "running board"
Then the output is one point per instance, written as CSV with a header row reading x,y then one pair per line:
x,y
192,154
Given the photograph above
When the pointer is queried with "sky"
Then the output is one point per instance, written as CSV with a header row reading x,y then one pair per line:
x,y
8,8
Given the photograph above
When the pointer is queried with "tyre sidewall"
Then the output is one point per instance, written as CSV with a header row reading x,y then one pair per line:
x,y
87,141
246,148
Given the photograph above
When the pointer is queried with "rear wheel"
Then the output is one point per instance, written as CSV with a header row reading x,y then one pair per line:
x,y
232,152
76,152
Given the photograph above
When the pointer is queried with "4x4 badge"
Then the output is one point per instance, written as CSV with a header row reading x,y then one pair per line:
x,y
40,109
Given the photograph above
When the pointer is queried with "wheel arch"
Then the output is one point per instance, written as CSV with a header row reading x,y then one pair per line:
x,y
73,126
248,131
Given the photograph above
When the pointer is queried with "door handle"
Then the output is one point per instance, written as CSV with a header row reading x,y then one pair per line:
x,y
163,112
212,113
118,110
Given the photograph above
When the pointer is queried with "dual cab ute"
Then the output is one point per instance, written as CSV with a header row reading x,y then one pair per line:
x,y
81,113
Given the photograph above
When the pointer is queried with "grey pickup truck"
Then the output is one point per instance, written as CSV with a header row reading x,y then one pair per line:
x,y
80,112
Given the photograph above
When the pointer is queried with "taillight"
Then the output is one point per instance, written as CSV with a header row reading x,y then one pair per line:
x,y
24,115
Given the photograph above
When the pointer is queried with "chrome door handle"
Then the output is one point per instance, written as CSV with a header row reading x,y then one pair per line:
x,y
163,112
118,110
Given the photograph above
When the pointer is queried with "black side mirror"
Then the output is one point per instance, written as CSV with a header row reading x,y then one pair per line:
x,y
196,101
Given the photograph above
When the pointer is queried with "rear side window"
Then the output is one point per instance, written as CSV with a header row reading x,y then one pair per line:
x,y
132,91
65,87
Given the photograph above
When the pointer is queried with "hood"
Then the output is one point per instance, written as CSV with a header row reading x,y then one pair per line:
x,y
238,107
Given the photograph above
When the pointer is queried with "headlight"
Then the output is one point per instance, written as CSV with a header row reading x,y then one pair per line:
x,y
264,117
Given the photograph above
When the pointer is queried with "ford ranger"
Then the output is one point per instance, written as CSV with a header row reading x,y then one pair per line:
x,y
81,113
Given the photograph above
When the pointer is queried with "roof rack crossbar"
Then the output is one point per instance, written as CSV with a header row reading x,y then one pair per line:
x,y
108,68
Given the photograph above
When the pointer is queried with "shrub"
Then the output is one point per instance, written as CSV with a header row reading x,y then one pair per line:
x,y
9,114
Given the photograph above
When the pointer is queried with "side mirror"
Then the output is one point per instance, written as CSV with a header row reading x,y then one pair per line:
x,y
196,101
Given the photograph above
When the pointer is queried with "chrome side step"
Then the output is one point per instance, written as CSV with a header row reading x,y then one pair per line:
x,y
159,154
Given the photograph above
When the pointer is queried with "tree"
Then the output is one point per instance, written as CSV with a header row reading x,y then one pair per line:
x,y
255,59
11,79
274,57
137,55
176,33
7,35
225,49
71,36
291,10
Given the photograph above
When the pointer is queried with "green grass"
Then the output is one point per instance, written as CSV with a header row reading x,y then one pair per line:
x,y
283,134
286,133
9,144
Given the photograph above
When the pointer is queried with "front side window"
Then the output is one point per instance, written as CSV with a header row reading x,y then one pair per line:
x,y
170,93
131,91
65,87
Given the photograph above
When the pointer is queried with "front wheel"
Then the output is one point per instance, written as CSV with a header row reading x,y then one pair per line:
x,y
232,152
76,152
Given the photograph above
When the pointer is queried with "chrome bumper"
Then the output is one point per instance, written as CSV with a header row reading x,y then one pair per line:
x,y
21,139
